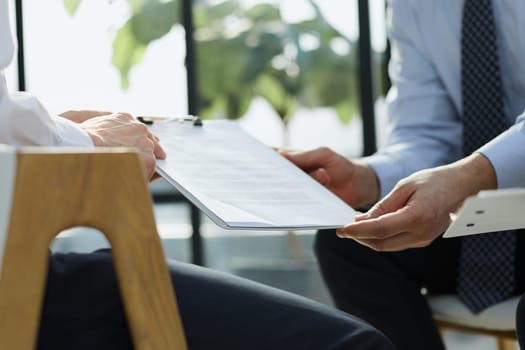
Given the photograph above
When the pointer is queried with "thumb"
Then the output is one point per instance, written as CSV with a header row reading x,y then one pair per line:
x,y
392,202
310,160
321,176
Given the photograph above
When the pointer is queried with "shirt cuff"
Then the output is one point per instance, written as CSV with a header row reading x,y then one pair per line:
x,y
506,154
388,174
71,134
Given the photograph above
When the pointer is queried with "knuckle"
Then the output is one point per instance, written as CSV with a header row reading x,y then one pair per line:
x,y
324,151
148,144
145,146
125,115
400,184
141,128
148,159
379,208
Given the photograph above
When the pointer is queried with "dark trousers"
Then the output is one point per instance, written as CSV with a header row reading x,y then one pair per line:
x,y
82,310
385,288
520,322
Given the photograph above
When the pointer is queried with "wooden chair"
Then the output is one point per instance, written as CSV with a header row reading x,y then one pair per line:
x,y
497,321
49,190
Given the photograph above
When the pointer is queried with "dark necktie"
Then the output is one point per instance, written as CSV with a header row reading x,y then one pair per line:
x,y
486,266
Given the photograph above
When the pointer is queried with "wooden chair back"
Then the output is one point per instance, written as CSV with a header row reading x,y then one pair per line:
x,y
105,189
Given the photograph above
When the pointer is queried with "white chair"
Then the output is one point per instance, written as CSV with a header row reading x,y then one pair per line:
x,y
498,320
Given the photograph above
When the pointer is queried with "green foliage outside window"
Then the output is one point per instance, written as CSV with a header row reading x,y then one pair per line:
x,y
244,52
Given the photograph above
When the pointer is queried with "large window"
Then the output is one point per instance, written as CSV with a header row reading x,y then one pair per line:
x,y
262,61
11,73
68,61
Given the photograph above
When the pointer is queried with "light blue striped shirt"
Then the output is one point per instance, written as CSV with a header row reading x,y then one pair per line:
x,y
424,104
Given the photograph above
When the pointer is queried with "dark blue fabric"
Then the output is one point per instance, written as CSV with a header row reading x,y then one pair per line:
x,y
385,288
82,310
520,322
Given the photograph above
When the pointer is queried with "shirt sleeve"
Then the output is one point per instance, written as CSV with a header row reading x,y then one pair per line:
x,y
424,127
25,122
507,155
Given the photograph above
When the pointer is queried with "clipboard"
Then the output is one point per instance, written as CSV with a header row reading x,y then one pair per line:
x,y
489,211
240,183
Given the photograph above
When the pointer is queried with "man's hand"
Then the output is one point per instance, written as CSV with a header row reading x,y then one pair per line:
x,y
82,116
418,209
122,130
352,181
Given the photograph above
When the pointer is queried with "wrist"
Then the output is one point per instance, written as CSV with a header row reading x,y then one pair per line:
x,y
474,173
368,183
95,137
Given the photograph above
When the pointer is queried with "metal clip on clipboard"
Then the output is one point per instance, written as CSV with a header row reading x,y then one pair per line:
x,y
149,120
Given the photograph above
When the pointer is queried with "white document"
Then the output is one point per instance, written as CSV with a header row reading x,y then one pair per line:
x,y
489,211
241,183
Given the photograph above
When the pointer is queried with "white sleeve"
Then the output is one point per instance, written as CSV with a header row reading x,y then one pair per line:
x,y
25,122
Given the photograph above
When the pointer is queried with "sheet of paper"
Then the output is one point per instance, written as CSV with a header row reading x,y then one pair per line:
x,y
240,183
490,211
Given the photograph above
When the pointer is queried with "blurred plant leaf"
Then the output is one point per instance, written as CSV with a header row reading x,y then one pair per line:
x,y
206,13
273,92
237,104
326,78
154,20
346,110
221,65
127,52
264,13
247,52
135,5
71,6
